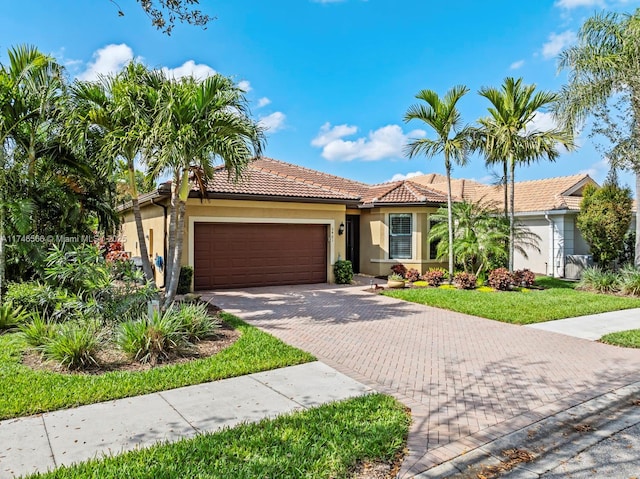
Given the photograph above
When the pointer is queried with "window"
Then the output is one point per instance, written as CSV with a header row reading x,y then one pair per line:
x,y
433,244
400,236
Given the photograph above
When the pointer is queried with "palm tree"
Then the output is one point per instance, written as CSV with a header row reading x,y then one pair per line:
x,y
604,63
121,107
452,140
479,236
507,133
198,122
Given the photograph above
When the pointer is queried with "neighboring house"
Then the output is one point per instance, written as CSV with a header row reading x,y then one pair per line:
x,y
547,207
285,224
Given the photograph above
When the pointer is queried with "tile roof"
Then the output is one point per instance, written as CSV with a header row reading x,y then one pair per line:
x,y
269,177
266,177
564,192
402,192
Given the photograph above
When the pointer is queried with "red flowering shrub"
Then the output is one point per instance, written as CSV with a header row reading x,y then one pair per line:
x,y
465,280
399,269
500,279
524,277
434,277
413,275
116,255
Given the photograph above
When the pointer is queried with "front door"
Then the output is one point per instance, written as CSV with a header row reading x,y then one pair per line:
x,y
353,241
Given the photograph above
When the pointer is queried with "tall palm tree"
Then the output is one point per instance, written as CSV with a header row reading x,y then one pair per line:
x,y
29,87
452,140
507,133
198,123
122,108
604,63
479,235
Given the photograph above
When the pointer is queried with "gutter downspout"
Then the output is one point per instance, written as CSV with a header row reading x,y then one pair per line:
x,y
553,243
164,241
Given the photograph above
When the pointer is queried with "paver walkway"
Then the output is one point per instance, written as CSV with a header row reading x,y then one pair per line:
x,y
467,380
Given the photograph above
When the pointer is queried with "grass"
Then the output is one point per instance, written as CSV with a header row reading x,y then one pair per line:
x,y
626,339
323,442
559,300
26,391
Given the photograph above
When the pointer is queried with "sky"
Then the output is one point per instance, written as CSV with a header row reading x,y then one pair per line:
x,y
332,79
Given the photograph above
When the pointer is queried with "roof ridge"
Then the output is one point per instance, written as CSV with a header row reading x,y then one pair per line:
x,y
304,168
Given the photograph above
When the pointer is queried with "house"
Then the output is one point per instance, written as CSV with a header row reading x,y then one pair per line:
x,y
547,207
285,224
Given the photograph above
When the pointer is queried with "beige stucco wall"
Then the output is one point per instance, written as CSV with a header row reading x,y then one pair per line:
x,y
239,211
152,222
268,212
374,240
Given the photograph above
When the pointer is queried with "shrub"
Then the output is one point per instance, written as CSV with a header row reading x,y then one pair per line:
x,y
435,277
500,279
630,280
195,321
399,269
11,316
184,281
395,277
148,340
82,269
74,345
413,275
37,331
599,280
33,296
343,271
524,277
465,280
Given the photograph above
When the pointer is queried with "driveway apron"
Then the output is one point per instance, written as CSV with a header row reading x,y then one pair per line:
x,y
467,380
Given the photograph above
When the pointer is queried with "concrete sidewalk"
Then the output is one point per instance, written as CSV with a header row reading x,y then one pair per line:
x,y
593,326
46,441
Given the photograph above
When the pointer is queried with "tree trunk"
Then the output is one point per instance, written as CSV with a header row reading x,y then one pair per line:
x,y
174,273
450,220
637,255
505,180
171,249
512,214
144,252
2,258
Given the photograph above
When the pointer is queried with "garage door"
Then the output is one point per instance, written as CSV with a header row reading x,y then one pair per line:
x,y
232,255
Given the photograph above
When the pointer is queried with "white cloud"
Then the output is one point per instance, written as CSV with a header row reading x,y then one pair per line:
x,y
542,121
245,85
273,122
558,42
598,170
330,133
401,176
385,142
264,101
190,68
107,60
570,4
516,65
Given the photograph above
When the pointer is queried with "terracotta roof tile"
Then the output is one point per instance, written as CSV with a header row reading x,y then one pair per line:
x,y
402,192
536,195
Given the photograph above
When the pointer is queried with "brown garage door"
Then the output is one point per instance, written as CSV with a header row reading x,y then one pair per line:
x,y
232,255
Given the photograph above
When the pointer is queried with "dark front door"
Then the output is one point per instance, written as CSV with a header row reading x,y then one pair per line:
x,y
353,241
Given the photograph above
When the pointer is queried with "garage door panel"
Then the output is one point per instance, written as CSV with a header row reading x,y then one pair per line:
x,y
228,255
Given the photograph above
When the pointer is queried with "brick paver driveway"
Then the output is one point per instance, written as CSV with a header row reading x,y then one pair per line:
x,y
467,380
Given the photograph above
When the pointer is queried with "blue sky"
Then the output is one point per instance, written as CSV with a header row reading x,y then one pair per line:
x,y
332,79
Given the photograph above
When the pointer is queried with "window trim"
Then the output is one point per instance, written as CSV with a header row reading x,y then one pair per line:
x,y
410,235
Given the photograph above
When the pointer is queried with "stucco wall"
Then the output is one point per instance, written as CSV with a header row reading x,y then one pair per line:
x,y
153,225
537,261
374,240
239,211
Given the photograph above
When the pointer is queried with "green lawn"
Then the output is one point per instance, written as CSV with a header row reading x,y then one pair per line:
x,y
559,300
324,442
626,339
25,391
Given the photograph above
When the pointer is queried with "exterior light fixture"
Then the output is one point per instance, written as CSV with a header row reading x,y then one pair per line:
x,y
341,229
